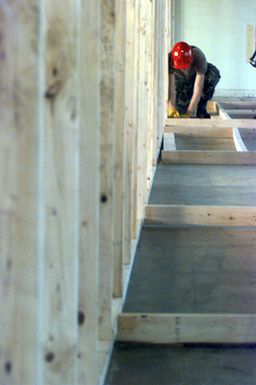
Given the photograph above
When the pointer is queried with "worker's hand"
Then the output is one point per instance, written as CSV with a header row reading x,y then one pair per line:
x,y
187,115
173,113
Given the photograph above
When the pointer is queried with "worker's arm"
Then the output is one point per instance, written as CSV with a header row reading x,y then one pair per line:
x,y
171,110
198,86
171,91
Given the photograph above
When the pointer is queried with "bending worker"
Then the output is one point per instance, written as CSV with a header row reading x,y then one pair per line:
x,y
192,82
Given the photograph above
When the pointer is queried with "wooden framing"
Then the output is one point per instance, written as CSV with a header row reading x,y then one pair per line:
x,y
81,128
198,328
21,252
186,124
187,328
238,216
209,157
169,142
89,193
239,143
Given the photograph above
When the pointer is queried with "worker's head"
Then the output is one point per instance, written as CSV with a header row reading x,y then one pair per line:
x,y
182,55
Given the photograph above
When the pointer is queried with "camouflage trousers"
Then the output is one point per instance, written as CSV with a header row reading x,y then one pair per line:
x,y
185,87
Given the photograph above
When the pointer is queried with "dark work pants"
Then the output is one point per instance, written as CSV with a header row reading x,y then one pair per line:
x,y
185,88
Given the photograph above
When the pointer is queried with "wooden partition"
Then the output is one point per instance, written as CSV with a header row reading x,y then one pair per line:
x,y
83,100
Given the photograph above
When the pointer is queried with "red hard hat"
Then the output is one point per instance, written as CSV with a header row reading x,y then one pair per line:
x,y
181,55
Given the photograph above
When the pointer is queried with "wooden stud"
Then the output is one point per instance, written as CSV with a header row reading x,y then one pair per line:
x,y
88,312
209,157
107,146
20,144
60,327
119,100
134,227
186,328
129,125
238,216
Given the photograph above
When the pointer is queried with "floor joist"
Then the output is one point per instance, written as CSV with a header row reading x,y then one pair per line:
x,y
211,123
238,105
210,157
187,328
216,132
237,216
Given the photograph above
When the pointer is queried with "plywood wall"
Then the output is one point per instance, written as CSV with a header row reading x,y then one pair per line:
x,y
83,88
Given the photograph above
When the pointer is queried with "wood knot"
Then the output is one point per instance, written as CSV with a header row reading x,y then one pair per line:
x,y
53,90
8,367
81,318
49,357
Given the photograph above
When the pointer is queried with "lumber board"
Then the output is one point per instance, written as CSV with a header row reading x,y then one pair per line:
x,y
129,121
61,190
237,216
89,160
169,142
238,105
186,328
185,142
222,113
210,157
143,106
238,141
21,257
136,39
212,107
246,113
107,149
119,168
211,123
200,131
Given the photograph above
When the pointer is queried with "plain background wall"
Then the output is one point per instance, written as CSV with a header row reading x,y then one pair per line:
x,y
220,30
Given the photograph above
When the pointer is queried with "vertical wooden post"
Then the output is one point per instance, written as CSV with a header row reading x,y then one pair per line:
x,y
90,73
19,36
136,32
107,139
119,93
129,124
60,313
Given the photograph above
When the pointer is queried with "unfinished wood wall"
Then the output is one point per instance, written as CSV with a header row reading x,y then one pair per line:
x,y
83,87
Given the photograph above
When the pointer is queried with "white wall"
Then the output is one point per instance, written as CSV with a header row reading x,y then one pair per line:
x,y
219,28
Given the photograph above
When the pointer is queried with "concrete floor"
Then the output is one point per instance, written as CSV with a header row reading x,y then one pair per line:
x,y
182,365
192,269
204,185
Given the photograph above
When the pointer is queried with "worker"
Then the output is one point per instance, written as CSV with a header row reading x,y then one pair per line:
x,y
192,82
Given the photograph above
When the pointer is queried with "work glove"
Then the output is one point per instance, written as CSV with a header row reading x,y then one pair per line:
x,y
173,113
187,115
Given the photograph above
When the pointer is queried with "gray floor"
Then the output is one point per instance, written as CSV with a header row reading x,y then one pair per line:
x,y
204,185
192,269
187,270
182,365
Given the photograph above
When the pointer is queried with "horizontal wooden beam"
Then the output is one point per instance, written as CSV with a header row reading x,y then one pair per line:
x,y
249,114
200,131
209,157
212,123
236,216
246,105
186,328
